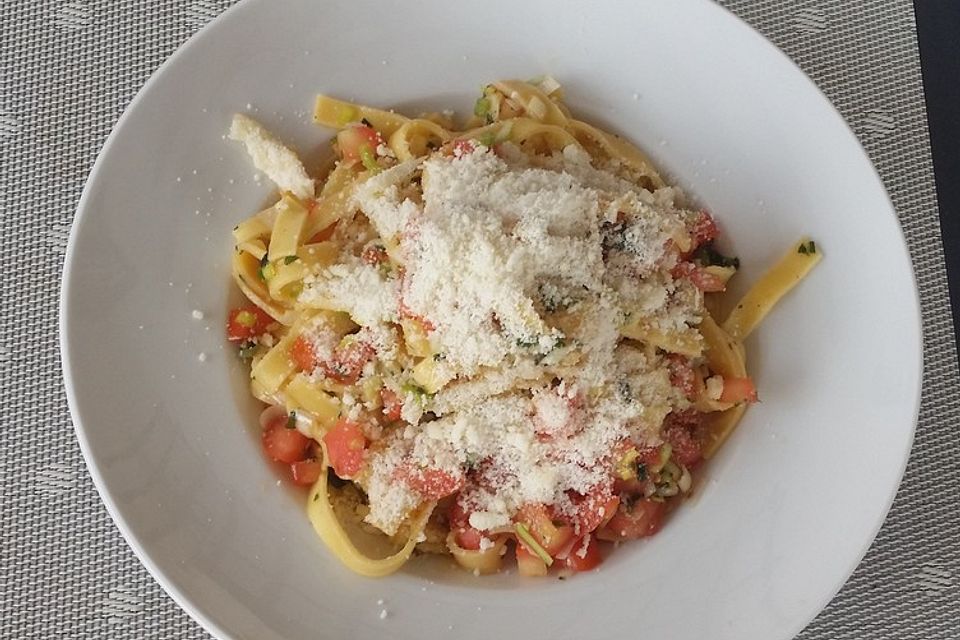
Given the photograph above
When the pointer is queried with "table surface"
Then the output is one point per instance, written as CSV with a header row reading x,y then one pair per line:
x,y
938,30
69,67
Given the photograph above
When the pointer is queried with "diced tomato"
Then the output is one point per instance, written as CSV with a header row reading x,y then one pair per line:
x,y
589,547
682,432
357,140
457,516
284,444
703,230
245,323
306,472
392,404
641,519
346,447
682,374
348,361
468,538
558,539
529,563
738,390
374,254
432,484
594,509
699,277
324,234
303,355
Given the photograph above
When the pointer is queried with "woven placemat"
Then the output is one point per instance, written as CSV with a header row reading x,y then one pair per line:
x,y
67,70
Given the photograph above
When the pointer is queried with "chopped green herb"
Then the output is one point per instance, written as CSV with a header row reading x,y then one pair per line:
x,y
487,139
554,298
366,123
292,420
802,249
437,357
527,342
246,350
267,272
708,256
531,543
290,259
481,107
418,392
811,247
316,497
368,160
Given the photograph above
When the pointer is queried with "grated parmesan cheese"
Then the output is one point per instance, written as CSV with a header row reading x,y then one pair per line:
x,y
270,156
525,270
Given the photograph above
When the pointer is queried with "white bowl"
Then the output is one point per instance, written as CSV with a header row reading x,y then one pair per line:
x,y
790,505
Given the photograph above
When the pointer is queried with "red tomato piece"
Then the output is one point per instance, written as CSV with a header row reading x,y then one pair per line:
x,y
348,361
246,323
641,519
303,355
306,472
738,390
468,538
682,375
585,554
699,277
593,509
703,230
346,447
432,484
683,431
392,404
358,140
284,445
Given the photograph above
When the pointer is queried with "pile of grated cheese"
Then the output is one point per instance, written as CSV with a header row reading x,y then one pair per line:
x,y
526,268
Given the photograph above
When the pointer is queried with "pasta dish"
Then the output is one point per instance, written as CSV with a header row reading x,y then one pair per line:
x,y
501,341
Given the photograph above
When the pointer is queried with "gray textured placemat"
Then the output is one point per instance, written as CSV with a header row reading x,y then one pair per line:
x,y
67,70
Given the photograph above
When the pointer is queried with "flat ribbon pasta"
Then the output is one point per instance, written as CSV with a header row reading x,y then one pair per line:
x,y
328,527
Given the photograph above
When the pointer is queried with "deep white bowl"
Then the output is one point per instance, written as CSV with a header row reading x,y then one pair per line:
x,y
789,506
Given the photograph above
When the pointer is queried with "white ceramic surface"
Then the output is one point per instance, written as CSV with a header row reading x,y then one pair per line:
x,y
790,505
